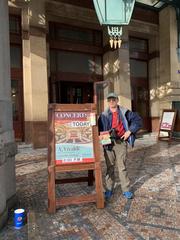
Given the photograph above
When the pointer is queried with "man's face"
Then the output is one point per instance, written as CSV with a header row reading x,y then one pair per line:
x,y
112,102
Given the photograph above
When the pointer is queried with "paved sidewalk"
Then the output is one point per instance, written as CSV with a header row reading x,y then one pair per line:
x,y
154,213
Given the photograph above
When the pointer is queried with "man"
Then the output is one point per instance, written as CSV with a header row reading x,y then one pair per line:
x,y
122,124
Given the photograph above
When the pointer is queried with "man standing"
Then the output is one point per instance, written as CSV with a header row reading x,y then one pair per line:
x,y
122,125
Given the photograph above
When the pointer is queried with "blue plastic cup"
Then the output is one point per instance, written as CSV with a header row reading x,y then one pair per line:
x,y
19,218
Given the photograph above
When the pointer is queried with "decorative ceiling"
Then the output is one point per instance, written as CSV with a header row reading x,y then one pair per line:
x,y
158,4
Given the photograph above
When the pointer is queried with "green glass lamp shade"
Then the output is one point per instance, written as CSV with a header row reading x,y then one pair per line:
x,y
114,12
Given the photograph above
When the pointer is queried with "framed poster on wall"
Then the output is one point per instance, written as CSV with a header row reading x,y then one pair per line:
x,y
167,124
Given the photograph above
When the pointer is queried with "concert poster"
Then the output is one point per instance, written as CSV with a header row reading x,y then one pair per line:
x,y
73,137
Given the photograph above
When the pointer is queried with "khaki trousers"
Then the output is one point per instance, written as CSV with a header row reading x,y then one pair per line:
x,y
118,155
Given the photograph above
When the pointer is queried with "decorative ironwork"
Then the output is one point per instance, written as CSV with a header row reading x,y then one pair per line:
x,y
115,33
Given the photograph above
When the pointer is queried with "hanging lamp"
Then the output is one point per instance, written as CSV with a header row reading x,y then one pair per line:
x,y
114,14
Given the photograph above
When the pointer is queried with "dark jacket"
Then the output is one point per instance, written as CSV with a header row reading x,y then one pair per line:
x,y
131,121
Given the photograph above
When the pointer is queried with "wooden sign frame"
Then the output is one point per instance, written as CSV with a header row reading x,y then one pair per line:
x,y
167,122
93,165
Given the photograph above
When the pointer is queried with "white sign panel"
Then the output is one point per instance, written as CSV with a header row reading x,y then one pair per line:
x,y
167,120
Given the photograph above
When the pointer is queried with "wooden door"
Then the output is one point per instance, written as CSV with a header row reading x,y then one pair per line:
x,y
101,89
17,103
17,106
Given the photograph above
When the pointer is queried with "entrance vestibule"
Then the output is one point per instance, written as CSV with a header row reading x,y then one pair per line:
x,y
75,92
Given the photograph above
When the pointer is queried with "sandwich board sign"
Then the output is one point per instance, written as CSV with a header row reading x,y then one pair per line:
x,y
167,124
73,146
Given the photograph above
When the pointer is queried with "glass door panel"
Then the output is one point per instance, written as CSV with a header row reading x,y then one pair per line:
x,y
101,89
73,92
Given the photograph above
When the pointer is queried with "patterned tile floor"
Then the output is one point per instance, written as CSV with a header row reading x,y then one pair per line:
x,y
153,214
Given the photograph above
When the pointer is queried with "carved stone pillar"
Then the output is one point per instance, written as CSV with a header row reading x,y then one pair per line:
x,y
7,144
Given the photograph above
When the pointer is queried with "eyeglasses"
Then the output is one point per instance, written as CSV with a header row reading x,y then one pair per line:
x,y
111,99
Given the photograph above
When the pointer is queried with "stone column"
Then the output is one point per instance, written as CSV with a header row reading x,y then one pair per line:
x,y
165,44
35,73
154,81
116,71
7,144
169,64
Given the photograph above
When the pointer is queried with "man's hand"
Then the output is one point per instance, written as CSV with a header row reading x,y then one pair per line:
x,y
126,135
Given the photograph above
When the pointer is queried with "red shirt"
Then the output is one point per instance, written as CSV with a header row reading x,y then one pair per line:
x,y
118,125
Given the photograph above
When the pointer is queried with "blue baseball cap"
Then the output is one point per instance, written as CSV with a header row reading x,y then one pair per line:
x,y
112,95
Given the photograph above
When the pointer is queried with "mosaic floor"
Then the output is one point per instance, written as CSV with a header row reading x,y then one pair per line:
x,y
153,214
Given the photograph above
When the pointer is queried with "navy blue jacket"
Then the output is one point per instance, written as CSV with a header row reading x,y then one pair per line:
x,y
131,121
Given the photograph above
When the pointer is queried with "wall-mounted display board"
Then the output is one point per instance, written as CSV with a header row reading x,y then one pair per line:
x,y
73,145
167,124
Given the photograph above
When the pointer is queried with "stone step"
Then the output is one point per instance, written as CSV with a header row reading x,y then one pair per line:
x,y
148,135
22,145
